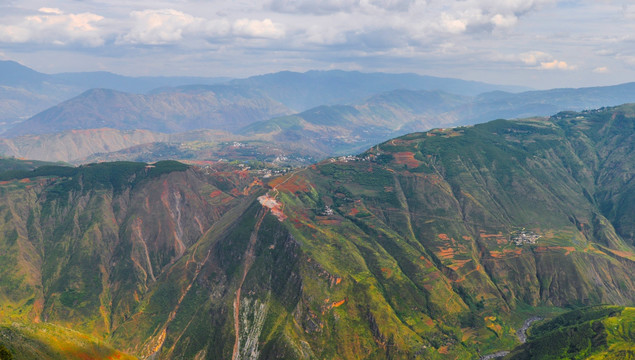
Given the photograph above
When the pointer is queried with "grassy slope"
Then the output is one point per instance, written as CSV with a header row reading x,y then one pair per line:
x,y
48,341
602,332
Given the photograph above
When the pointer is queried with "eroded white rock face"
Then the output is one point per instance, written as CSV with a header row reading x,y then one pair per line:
x,y
252,318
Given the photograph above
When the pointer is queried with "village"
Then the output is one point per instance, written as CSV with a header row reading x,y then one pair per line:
x,y
523,236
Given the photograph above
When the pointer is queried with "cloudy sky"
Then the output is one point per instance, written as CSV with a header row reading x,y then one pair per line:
x,y
535,43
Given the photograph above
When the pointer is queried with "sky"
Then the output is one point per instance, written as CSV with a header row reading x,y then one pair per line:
x,y
535,43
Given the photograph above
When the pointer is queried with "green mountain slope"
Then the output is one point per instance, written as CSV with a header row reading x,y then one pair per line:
x,y
433,245
411,251
604,332
48,341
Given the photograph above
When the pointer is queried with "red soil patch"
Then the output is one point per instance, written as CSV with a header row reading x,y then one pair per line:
x,y
338,280
458,264
624,254
290,183
4,182
226,200
256,182
513,251
389,188
215,193
387,271
338,303
447,253
407,158
466,237
444,350
444,237
235,192
569,249
505,253
486,236
25,180
333,305
353,212
276,181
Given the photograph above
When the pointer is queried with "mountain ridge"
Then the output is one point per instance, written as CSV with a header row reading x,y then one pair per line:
x,y
430,244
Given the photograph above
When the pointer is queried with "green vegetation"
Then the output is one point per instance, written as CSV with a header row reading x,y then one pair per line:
x,y
412,249
48,341
601,332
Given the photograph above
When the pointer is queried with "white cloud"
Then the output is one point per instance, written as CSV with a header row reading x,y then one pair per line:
x,y
555,65
52,26
478,39
532,58
453,25
266,29
504,20
166,26
55,11
484,15
543,61
601,70
163,26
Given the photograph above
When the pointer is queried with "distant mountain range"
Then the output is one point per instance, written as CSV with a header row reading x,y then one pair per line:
x,y
319,113
341,129
25,92
219,107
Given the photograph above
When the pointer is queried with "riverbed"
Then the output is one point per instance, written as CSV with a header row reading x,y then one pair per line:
x,y
521,334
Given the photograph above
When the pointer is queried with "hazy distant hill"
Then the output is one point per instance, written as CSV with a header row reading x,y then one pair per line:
x,y
97,145
341,129
302,91
72,145
340,112
350,128
25,92
220,107
17,75
499,104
